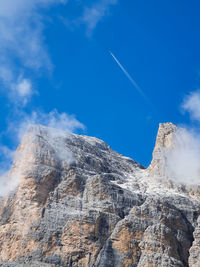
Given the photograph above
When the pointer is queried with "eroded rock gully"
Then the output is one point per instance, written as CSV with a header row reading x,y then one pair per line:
x,y
79,203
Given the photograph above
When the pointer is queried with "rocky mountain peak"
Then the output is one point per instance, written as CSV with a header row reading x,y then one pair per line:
x,y
79,203
164,141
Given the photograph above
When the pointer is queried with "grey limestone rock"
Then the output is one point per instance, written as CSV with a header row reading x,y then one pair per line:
x,y
79,203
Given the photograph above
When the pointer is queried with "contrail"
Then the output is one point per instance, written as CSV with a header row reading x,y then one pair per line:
x,y
130,78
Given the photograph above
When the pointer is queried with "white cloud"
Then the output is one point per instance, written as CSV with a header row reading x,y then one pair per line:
x,y
6,75
22,40
19,89
24,88
92,15
53,119
22,91
7,183
58,123
17,126
11,8
191,104
61,121
7,154
21,32
183,160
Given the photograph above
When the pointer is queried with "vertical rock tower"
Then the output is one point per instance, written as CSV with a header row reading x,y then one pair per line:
x,y
164,141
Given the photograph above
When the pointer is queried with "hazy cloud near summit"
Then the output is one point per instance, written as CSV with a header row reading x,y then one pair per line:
x,y
191,104
59,123
183,161
53,119
17,127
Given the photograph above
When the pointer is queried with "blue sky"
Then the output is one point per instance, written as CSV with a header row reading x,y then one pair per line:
x,y
55,67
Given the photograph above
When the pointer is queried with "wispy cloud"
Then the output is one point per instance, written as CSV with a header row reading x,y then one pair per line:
x,y
58,123
182,160
21,31
61,121
89,15
191,104
19,89
94,14
7,155
21,41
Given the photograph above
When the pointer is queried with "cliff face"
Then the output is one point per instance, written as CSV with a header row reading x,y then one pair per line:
x,y
164,141
79,203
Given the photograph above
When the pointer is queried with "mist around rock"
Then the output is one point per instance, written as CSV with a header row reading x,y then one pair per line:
x,y
183,157
58,125
74,193
95,205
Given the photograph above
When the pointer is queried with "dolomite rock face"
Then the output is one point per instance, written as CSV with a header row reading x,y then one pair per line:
x,y
164,141
194,258
79,203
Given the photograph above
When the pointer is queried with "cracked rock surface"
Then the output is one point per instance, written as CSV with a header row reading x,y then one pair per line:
x,y
81,204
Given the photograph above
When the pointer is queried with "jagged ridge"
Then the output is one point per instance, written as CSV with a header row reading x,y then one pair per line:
x,y
79,203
